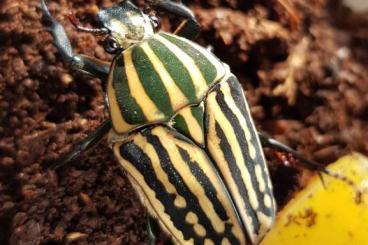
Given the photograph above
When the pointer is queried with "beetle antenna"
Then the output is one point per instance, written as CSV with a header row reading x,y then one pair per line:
x,y
76,23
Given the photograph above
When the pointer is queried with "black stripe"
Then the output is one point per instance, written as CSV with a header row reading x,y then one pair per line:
x,y
235,173
243,143
238,97
192,200
211,193
202,178
132,153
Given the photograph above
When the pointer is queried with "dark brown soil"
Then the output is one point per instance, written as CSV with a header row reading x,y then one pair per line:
x,y
303,66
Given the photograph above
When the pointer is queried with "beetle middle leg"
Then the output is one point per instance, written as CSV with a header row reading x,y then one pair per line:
x,y
83,63
189,27
87,143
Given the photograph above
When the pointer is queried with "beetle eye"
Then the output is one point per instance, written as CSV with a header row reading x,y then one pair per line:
x,y
156,23
110,45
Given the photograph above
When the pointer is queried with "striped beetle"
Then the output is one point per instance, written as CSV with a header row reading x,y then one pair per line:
x,y
180,127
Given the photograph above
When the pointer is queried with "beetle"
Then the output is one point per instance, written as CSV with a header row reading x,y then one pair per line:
x,y
180,126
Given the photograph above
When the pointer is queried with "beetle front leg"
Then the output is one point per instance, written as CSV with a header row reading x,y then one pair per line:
x,y
190,27
83,63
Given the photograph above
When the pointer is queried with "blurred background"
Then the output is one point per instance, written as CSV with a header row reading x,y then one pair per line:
x,y
302,63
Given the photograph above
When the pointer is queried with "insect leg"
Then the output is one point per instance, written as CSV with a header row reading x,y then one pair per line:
x,y
85,144
189,28
83,63
267,141
152,234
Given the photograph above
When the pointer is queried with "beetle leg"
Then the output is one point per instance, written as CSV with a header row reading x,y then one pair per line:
x,y
83,63
85,144
267,141
152,230
189,28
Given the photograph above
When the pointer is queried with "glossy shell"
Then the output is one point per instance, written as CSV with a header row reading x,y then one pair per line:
x,y
151,81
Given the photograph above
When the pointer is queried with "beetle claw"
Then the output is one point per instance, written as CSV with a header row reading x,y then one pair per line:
x,y
61,40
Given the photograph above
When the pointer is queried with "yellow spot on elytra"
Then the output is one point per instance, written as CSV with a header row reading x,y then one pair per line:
x,y
191,218
208,242
180,202
225,241
266,223
260,179
200,230
267,201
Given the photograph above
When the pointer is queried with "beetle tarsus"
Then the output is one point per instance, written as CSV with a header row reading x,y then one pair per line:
x,y
83,63
61,39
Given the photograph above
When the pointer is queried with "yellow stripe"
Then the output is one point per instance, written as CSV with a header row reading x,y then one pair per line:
x,y
150,111
215,114
264,222
265,169
201,159
177,98
225,88
220,68
194,128
186,174
194,72
206,168
252,150
119,124
150,151
237,151
155,207
145,191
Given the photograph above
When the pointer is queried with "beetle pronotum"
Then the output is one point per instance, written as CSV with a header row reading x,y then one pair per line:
x,y
180,127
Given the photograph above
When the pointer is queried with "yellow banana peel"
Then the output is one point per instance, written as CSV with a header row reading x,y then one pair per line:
x,y
334,214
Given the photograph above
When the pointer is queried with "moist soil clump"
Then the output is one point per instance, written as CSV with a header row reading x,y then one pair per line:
x,y
302,65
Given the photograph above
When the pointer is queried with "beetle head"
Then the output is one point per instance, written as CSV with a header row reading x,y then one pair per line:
x,y
125,24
